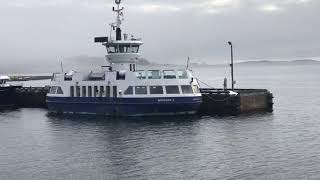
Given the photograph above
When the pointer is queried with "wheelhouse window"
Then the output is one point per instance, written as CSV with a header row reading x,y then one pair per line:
x,y
169,74
112,49
123,49
141,74
172,90
128,91
140,90
156,90
186,89
182,74
154,74
133,49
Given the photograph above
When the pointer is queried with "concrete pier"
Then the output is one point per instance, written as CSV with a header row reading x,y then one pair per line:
x,y
215,101
222,102
31,97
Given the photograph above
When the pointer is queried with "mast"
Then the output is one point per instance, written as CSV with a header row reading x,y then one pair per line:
x,y
118,21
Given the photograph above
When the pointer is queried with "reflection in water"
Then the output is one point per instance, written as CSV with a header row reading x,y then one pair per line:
x,y
281,145
153,146
124,146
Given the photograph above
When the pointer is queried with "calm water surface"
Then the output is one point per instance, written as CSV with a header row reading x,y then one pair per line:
x,y
281,145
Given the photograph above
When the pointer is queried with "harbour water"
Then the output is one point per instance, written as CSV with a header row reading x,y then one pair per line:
x,y
280,145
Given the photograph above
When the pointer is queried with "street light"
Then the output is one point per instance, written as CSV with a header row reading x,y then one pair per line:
x,y
232,81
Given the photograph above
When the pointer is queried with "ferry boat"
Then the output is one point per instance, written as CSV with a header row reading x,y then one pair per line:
x,y
7,93
123,88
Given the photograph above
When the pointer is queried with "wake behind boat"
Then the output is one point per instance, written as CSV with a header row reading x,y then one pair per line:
x,y
123,88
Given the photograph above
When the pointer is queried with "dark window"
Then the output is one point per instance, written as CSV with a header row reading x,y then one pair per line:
x,y
84,91
172,90
101,91
141,90
186,89
115,92
78,91
107,91
129,91
156,90
89,91
95,91
121,75
121,48
72,91
67,77
169,74
59,90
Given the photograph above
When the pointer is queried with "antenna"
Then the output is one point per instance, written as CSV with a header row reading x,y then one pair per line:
x,y
188,62
61,67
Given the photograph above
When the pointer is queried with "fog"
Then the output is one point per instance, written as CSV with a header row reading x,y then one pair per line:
x,y
36,35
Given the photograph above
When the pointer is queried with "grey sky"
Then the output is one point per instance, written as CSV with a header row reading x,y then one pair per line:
x,y
49,30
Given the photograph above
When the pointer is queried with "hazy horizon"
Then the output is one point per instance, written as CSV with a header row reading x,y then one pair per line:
x,y
40,34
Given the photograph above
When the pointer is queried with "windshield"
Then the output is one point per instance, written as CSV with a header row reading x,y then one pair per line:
x,y
123,49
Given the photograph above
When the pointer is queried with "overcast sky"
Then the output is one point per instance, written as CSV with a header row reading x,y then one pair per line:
x,y
51,30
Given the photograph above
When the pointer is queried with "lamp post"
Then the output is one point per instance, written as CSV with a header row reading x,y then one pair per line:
x,y
232,81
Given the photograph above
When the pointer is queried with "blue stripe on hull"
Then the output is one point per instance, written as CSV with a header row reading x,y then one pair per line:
x,y
125,106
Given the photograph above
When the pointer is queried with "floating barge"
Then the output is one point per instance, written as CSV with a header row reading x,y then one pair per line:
x,y
215,101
